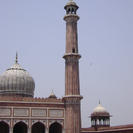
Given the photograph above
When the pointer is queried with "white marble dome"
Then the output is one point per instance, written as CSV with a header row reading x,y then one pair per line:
x,y
16,81
99,109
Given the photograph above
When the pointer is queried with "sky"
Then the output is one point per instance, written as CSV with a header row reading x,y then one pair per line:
x,y
36,30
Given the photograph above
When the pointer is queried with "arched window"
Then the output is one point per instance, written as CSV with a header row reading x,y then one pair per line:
x,y
72,11
55,128
20,127
73,50
101,121
4,127
68,11
38,128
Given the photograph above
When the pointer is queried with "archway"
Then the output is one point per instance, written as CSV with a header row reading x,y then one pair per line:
x,y
20,127
38,128
4,127
55,128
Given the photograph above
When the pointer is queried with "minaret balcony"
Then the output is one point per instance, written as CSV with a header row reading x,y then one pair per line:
x,y
72,55
71,17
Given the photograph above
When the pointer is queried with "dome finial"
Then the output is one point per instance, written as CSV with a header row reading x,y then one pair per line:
x,y
52,95
16,60
52,92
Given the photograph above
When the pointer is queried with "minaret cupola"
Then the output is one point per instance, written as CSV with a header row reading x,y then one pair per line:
x,y
71,7
100,117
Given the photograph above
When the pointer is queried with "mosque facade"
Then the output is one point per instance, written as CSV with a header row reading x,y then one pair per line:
x,y
20,112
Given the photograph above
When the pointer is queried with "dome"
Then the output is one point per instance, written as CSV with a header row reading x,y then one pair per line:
x,y
71,3
100,110
100,117
16,81
52,95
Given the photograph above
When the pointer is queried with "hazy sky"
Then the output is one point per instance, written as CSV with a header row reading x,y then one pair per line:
x,y
35,28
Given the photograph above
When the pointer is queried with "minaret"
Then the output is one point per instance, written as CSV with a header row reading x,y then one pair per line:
x,y
72,86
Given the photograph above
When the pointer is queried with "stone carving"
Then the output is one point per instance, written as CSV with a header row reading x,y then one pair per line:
x,y
58,121
5,111
21,112
39,112
17,121
56,113
41,121
6,121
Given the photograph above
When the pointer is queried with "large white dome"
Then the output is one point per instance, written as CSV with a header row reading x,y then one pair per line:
x,y
16,81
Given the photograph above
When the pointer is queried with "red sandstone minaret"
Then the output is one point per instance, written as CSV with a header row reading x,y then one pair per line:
x,y
72,86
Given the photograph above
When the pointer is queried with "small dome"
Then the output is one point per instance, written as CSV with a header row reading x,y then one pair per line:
x,y
16,81
100,117
71,3
100,110
52,95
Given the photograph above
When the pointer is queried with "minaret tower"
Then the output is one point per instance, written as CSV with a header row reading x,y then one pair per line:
x,y
72,86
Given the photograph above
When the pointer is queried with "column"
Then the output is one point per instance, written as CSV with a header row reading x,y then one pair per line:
x,y
29,130
10,130
46,130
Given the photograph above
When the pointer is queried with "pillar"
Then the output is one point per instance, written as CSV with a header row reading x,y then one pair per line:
x,y
72,86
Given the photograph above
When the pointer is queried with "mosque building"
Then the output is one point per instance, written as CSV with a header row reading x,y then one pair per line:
x,y
20,112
